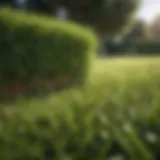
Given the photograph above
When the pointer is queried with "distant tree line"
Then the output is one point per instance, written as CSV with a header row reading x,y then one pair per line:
x,y
142,38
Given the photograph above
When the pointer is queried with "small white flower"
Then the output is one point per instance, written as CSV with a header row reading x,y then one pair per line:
x,y
151,137
127,127
103,119
104,134
117,157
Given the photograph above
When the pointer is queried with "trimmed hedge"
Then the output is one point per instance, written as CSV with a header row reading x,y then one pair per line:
x,y
141,47
34,47
148,47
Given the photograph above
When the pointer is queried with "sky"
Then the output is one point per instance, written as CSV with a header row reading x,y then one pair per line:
x,y
148,9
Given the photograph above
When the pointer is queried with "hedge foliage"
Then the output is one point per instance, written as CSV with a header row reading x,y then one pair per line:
x,y
148,46
37,47
140,47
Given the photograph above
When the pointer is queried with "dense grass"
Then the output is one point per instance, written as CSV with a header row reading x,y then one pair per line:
x,y
115,114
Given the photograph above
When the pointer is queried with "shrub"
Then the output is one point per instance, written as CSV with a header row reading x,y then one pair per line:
x,y
148,47
117,48
141,47
36,48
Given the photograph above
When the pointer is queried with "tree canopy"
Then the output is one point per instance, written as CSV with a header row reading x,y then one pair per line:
x,y
139,31
105,16
155,28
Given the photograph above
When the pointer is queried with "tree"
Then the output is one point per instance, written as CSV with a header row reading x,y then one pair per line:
x,y
139,31
155,28
127,43
105,16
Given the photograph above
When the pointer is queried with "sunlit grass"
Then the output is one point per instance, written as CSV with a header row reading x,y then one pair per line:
x,y
121,93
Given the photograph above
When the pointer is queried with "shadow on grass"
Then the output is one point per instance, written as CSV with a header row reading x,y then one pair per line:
x,y
37,93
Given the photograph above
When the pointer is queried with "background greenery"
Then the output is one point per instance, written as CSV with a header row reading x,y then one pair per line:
x,y
115,115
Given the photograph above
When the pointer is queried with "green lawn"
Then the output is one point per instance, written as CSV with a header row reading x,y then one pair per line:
x,y
121,101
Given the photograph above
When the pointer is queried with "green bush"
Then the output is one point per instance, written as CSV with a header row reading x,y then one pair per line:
x,y
148,47
35,46
141,47
117,48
